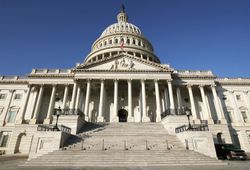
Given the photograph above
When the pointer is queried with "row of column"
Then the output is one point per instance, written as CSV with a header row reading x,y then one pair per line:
x,y
76,97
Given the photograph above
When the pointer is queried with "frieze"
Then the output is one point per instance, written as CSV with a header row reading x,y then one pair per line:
x,y
123,64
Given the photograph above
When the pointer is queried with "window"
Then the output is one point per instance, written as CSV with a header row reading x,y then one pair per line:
x,y
238,97
244,116
110,41
12,114
3,96
116,40
18,96
4,138
229,117
128,41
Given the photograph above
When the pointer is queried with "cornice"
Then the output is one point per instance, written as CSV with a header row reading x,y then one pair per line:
x,y
233,81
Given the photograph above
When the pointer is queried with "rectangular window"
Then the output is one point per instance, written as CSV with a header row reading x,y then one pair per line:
x,y
244,116
3,96
229,117
4,137
11,117
18,96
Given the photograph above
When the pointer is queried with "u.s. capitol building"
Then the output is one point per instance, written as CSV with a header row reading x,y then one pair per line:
x,y
122,80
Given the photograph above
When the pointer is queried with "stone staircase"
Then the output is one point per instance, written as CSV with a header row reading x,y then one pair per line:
x,y
123,144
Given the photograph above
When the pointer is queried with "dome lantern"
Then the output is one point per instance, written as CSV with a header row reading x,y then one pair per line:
x,y
122,16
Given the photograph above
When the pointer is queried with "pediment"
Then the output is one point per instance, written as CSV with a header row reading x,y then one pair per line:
x,y
124,62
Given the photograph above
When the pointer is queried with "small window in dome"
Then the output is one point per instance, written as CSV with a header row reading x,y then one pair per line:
x,y
116,40
138,55
133,41
131,53
99,57
139,43
100,44
110,41
150,59
106,55
105,43
144,57
143,45
128,41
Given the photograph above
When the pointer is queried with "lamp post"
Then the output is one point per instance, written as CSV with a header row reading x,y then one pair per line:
x,y
58,113
188,113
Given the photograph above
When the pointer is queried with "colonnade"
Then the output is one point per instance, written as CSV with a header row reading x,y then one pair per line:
x,y
160,105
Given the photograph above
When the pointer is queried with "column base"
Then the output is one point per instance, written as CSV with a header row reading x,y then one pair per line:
x,y
131,119
86,118
20,121
223,121
145,119
196,121
33,121
158,119
115,119
47,121
100,119
210,121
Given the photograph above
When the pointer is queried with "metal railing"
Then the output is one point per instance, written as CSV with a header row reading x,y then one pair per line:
x,y
70,112
61,128
184,128
179,111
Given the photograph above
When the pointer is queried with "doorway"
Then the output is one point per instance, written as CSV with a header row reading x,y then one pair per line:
x,y
123,115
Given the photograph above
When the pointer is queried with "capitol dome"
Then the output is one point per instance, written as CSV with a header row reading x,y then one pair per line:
x,y
121,37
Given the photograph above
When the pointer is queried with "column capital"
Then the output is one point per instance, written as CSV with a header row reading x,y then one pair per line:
x,y
213,85
54,85
189,85
201,86
12,90
245,92
169,80
156,80
231,92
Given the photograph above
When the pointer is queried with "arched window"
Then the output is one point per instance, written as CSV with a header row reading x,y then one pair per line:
x,y
134,41
110,41
116,40
105,43
12,114
128,41
139,43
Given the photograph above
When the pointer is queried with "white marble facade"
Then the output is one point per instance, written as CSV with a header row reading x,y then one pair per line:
x,y
123,80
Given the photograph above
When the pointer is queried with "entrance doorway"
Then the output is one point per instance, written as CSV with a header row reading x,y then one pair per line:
x,y
123,114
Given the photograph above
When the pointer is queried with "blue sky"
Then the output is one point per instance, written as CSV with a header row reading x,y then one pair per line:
x,y
187,34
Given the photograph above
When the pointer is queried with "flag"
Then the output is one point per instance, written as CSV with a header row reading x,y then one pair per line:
x,y
122,43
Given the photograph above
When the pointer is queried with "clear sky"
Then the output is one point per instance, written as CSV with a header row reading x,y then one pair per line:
x,y
187,34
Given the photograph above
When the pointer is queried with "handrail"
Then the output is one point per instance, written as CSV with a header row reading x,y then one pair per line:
x,y
61,128
186,128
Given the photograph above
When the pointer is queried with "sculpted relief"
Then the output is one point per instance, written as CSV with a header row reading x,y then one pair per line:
x,y
123,64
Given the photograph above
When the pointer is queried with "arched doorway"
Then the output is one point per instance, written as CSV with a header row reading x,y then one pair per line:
x,y
18,142
123,114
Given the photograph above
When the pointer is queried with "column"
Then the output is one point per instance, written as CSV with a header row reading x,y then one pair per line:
x,y
86,108
51,106
77,98
65,97
163,102
218,107
130,108
38,105
237,113
203,97
72,103
171,97
145,118
100,112
193,110
178,92
158,104
115,110
21,120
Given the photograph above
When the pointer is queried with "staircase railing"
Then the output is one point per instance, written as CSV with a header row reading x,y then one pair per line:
x,y
186,128
54,128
